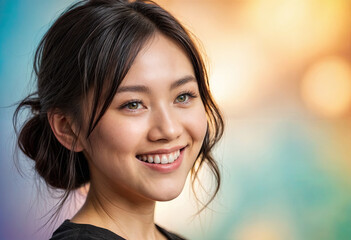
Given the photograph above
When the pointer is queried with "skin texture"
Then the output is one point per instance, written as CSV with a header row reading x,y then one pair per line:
x,y
158,115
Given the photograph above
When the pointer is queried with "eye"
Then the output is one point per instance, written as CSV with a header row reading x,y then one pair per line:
x,y
132,105
182,98
185,97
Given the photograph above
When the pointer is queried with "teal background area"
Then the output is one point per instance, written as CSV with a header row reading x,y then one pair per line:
x,y
293,183
22,24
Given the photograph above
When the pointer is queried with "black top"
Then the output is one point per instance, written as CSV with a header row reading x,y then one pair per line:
x,y
74,231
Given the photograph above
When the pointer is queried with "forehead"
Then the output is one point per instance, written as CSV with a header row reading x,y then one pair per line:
x,y
161,60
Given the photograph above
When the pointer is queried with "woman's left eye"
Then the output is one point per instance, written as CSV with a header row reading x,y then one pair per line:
x,y
182,98
185,97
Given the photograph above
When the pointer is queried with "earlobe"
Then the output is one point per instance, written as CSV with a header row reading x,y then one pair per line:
x,y
62,129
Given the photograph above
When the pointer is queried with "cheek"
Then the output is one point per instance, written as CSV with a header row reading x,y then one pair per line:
x,y
197,124
117,135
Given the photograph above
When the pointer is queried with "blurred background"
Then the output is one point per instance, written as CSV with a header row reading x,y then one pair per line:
x,y
281,73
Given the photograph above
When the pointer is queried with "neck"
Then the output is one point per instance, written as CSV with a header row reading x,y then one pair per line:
x,y
131,217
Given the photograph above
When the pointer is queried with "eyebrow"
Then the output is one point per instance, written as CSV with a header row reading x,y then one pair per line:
x,y
141,88
136,88
182,81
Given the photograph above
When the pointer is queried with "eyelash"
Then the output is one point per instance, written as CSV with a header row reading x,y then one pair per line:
x,y
125,105
190,94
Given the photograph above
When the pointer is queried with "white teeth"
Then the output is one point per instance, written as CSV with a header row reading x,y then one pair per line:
x,y
171,158
157,159
160,158
164,159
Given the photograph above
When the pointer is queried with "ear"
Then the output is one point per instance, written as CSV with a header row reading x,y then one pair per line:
x,y
62,128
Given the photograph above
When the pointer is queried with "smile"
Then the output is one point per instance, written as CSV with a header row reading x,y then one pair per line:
x,y
160,158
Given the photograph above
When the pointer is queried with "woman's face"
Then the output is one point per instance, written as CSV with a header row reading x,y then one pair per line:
x,y
147,141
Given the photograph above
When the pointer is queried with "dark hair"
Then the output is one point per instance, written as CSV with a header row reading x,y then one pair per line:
x,y
91,47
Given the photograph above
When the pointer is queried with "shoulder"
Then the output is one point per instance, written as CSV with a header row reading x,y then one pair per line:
x,y
74,231
169,235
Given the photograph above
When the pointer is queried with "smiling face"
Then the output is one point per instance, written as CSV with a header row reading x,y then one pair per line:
x,y
147,141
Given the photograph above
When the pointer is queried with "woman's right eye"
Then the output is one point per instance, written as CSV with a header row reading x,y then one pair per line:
x,y
132,105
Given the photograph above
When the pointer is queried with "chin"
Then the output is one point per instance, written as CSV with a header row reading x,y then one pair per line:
x,y
167,194
168,197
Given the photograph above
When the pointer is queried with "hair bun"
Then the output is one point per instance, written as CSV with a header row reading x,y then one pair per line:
x,y
38,142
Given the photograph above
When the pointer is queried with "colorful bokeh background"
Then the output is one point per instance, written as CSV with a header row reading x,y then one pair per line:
x,y
281,72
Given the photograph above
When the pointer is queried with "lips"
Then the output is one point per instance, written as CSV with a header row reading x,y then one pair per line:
x,y
161,157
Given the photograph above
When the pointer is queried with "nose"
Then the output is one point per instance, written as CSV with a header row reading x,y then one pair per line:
x,y
165,124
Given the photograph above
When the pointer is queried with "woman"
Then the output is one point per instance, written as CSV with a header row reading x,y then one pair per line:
x,y
123,104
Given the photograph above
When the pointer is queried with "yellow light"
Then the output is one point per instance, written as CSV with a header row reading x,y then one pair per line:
x,y
326,87
262,229
299,29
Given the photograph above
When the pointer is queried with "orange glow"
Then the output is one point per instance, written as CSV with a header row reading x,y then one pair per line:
x,y
299,29
326,87
262,229
252,44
